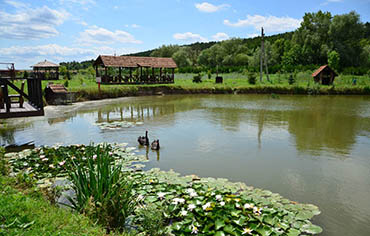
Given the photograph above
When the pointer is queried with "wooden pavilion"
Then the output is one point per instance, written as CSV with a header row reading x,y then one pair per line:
x,y
46,70
21,104
324,75
135,70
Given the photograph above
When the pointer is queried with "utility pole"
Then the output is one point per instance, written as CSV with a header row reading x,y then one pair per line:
x,y
263,57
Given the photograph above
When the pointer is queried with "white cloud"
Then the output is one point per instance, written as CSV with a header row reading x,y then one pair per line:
x,y
220,36
83,23
28,23
252,35
271,24
98,35
208,7
189,37
25,56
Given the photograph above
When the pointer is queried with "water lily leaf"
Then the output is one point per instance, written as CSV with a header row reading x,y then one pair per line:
x,y
304,215
219,224
220,233
311,229
293,232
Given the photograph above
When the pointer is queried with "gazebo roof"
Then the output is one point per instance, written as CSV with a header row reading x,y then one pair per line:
x,y
133,62
321,69
44,64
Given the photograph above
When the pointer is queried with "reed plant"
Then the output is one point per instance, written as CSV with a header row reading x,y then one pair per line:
x,y
103,191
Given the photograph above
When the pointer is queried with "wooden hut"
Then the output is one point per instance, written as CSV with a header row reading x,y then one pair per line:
x,y
324,75
46,70
57,94
135,70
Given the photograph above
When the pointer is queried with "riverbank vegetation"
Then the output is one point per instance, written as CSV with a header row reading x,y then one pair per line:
x,y
105,183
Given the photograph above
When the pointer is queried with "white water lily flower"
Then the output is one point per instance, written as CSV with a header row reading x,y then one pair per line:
x,y
73,157
207,205
190,190
184,213
95,156
62,163
247,231
193,194
222,203
198,202
110,153
178,200
42,156
44,159
161,195
194,230
191,207
237,205
218,197
248,206
52,166
257,210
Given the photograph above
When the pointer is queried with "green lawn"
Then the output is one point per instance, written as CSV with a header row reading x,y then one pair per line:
x,y
26,212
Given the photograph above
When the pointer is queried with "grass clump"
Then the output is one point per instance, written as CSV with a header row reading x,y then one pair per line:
x,y
103,191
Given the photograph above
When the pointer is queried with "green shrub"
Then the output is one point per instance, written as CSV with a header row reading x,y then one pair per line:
x,y
103,192
197,78
66,83
252,78
209,74
291,80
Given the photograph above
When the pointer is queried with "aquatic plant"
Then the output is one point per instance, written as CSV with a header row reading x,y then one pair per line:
x,y
103,191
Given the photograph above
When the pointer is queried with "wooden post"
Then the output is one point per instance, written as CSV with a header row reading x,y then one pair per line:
x,y
173,75
261,55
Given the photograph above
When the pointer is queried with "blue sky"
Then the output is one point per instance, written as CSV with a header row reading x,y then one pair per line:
x,y
66,30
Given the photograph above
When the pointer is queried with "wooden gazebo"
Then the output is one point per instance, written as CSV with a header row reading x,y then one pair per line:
x,y
46,70
324,75
135,70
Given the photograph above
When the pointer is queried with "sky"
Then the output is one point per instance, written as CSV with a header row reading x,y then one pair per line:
x,y
78,30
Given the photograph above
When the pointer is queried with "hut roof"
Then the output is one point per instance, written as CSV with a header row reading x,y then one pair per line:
x,y
45,64
321,69
133,62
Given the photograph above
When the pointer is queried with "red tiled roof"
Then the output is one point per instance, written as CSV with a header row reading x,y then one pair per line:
x,y
318,71
133,62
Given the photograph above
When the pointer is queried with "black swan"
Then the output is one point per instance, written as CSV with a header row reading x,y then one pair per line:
x,y
155,145
143,140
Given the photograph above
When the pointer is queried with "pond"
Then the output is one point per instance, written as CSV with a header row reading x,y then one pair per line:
x,y
310,149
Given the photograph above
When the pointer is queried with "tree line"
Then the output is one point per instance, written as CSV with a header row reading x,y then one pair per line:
x,y
342,41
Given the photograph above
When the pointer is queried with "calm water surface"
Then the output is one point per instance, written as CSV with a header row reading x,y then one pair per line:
x,y
309,149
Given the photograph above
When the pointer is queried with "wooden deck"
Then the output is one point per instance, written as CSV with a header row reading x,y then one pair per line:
x,y
16,111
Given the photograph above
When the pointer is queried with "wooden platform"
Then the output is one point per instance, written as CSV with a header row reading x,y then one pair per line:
x,y
16,111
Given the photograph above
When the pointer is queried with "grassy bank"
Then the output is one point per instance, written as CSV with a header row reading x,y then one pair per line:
x,y
85,87
24,211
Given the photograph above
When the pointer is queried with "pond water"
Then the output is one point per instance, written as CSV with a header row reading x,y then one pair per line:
x,y
308,149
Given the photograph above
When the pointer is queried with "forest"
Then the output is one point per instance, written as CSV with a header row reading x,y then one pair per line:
x,y
342,41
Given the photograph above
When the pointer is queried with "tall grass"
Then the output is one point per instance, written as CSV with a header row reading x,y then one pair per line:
x,y
103,191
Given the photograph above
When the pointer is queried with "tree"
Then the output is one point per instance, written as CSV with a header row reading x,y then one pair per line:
x,y
63,70
312,36
333,60
181,58
346,32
